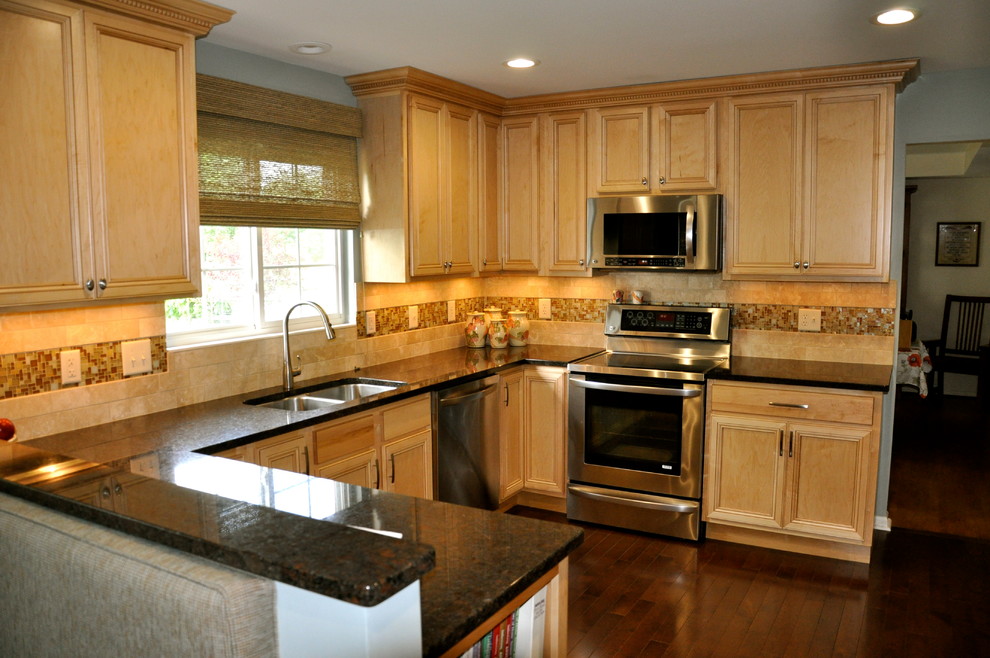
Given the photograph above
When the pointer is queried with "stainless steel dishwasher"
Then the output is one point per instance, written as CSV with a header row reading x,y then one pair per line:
x,y
467,443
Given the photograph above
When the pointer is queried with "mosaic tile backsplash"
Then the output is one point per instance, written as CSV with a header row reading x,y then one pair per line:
x,y
40,371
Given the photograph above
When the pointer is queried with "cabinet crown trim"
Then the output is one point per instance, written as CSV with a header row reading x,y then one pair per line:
x,y
191,16
411,79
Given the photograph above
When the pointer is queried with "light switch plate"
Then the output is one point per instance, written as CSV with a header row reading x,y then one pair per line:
x,y
370,323
71,369
413,316
451,310
545,309
809,319
136,355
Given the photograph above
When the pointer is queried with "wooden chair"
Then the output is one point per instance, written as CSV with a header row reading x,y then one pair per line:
x,y
963,334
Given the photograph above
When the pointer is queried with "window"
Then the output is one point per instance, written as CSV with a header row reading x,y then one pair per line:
x,y
279,204
253,275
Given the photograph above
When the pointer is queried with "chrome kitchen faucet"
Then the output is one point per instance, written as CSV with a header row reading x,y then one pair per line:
x,y
288,372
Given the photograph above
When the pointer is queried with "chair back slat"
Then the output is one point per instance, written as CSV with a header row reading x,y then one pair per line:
x,y
963,324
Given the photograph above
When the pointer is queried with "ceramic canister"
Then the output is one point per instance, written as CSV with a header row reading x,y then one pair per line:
x,y
498,334
475,330
518,326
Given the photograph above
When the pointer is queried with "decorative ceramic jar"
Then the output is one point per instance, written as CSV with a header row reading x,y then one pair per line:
x,y
498,334
475,331
518,325
492,313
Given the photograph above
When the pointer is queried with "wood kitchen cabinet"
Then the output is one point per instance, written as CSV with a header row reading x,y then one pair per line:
x,y
545,430
512,430
521,194
100,200
653,149
288,452
563,192
792,467
489,193
808,192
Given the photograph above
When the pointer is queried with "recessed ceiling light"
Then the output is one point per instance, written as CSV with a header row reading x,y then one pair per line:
x,y
310,48
521,63
895,17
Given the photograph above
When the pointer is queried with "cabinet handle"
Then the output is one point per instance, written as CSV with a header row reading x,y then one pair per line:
x,y
663,180
90,284
105,492
581,262
484,261
102,283
506,387
797,265
378,477
780,445
117,489
644,181
391,468
789,405
790,447
806,265
306,459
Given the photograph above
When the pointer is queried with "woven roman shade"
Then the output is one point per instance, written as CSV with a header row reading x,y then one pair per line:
x,y
268,158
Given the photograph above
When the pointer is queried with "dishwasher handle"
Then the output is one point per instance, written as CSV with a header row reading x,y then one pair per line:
x,y
467,397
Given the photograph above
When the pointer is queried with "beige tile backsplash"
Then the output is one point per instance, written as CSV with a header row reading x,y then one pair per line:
x,y
858,321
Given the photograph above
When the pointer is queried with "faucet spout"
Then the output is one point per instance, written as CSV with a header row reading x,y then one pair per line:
x,y
289,372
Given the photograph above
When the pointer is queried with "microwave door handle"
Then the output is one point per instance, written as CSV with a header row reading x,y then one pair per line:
x,y
690,241
646,390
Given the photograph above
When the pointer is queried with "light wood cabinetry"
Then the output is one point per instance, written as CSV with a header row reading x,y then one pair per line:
x,y
792,467
512,431
288,452
100,120
489,193
443,186
809,185
545,430
564,193
521,194
653,149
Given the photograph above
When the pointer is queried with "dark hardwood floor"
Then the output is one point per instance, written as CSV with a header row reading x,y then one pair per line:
x,y
925,593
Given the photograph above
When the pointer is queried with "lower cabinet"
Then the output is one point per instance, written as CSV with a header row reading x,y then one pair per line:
x,y
533,430
792,467
389,448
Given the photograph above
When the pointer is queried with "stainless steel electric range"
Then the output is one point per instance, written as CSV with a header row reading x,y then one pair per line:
x,y
636,416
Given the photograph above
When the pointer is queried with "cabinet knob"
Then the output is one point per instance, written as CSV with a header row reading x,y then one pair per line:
x,y
663,179
105,492
102,284
581,262
484,261
644,181
90,284
806,264
797,265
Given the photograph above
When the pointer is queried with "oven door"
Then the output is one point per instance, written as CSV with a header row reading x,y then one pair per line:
x,y
636,433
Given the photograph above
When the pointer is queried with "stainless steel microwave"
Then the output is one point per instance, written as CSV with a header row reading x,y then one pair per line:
x,y
659,232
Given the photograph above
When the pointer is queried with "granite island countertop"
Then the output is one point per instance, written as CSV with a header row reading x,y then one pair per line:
x,y
828,374
302,530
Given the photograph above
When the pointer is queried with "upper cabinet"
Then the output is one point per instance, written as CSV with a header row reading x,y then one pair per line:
x,y
809,185
101,123
564,192
654,149
521,194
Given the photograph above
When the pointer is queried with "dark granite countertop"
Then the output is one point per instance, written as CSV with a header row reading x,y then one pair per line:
x,y
864,377
274,523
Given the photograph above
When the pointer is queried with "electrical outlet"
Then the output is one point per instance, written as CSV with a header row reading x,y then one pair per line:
x,y
413,316
146,465
545,309
809,319
71,371
136,355
451,311
370,323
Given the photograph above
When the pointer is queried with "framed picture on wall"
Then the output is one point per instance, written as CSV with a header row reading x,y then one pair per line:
x,y
958,244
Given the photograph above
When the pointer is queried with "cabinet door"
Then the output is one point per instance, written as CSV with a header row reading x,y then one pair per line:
x,y
829,482
686,146
763,196
847,202
426,248
142,96
520,194
511,430
460,216
287,453
360,469
620,149
744,479
408,465
564,191
44,200
545,401
489,186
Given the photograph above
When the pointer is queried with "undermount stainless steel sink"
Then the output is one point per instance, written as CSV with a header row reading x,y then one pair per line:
x,y
328,395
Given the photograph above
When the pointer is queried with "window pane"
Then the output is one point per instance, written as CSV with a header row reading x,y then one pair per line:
x,y
280,246
225,246
281,291
320,285
317,246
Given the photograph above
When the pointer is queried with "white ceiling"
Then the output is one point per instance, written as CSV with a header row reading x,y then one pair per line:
x,y
584,44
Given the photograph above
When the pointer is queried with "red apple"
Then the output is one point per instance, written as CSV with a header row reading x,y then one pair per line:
x,y
7,429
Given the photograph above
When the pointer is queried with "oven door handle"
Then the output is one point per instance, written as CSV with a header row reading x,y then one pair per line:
x,y
645,390
632,499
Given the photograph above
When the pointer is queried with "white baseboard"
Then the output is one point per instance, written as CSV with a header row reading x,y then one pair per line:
x,y
881,523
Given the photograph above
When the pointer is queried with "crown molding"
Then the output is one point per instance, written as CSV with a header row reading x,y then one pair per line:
x,y
196,18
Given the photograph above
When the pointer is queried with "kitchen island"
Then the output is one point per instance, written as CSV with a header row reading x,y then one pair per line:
x,y
307,532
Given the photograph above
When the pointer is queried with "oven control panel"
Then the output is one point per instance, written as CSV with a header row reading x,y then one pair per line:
x,y
681,322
